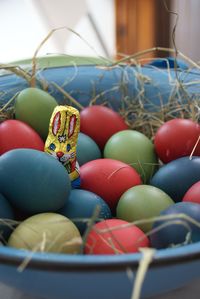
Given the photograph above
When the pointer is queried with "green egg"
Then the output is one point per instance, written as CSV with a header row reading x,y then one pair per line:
x,y
34,107
142,202
46,232
134,149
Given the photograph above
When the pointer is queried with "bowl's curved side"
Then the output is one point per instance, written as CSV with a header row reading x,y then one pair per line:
x,y
62,276
98,284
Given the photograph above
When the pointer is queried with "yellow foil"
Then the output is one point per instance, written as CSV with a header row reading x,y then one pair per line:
x,y
62,139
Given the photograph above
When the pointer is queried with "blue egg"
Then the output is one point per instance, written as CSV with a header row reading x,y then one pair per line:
x,y
6,213
81,205
87,149
33,181
175,231
176,177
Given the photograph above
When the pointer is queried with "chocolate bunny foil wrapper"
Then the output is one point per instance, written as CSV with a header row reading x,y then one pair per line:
x,y
62,140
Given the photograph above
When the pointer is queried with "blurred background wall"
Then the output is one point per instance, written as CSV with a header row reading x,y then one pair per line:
x,y
25,23
187,31
111,28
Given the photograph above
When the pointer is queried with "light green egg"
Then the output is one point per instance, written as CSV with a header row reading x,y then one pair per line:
x,y
134,149
47,232
34,106
141,203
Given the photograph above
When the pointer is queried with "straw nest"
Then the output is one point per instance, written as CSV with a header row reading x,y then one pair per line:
x,y
139,112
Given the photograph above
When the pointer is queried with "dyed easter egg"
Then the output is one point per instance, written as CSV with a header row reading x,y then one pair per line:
x,y
33,181
135,149
115,236
176,177
81,206
34,107
108,178
6,214
176,138
17,134
177,230
142,202
100,123
193,193
46,232
87,149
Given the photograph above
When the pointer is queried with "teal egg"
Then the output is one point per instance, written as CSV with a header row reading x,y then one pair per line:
x,y
87,149
33,181
81,206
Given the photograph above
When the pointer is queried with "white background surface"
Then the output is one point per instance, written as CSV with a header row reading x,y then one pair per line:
x,y
25,23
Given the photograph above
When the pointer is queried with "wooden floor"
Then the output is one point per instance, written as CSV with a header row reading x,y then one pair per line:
x,y
191,291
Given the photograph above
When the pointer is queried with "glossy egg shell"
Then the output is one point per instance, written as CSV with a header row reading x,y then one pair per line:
x,y
177,176
177,138
81,206
34,106
33,181
87,149
135,149
100,123
115,236
176,231
193,193
17,134
108,178
141,203
46,232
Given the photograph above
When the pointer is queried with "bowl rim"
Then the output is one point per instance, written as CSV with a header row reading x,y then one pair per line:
x,y
71,262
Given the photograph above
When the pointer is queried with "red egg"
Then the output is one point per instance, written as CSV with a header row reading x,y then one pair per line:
x,y
108,178
176,138
115,236
193,193
100,123
17,134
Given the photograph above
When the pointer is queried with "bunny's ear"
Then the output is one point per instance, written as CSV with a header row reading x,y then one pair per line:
x,y
56,123
72,125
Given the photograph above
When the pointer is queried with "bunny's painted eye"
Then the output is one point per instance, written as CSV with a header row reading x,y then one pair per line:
x,y
52,147
68,147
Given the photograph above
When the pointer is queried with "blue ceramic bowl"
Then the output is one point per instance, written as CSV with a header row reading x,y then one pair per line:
x,y
62,276
152,84
54,276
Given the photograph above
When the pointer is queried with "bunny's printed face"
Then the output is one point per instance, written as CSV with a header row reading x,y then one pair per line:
x,y
62,138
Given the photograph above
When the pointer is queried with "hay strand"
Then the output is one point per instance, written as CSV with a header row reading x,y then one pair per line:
x,y
147,257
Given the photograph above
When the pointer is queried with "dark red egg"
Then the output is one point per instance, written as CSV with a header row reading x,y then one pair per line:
x,y
115,236
17,134
177,138
193,193
100,123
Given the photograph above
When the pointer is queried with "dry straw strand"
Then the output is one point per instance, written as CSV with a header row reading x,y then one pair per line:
x,y
147,257
34,59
